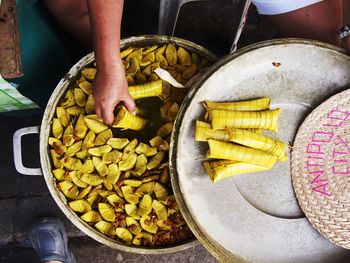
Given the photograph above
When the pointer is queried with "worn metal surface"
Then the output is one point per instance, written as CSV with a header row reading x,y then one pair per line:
x,y
45,132
255,217
10,52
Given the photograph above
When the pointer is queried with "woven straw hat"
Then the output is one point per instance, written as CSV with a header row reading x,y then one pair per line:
x,y
321,168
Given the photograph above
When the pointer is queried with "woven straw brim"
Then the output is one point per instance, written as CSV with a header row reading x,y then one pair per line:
x,y
321,168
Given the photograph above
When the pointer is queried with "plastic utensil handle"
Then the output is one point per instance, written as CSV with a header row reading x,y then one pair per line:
x,y
17,151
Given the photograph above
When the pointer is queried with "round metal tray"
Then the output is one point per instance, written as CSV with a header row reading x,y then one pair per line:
x,y
255,217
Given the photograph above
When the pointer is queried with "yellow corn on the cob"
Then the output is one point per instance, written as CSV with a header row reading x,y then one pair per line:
x,y
222,119
150,89
248,105
218,170
126,120
234,152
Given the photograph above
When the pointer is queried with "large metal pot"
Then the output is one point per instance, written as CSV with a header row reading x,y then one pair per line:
x,y
45,132
256,217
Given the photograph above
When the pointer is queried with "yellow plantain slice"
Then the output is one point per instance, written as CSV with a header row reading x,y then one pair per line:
x,y
68,189
89,73
134,66
75,110
160,191
118,143
59,174
172,112
156,160
150,68
82,154
57,129
106,212
76,179
132,182
133,226
105,228
126,52
128,163
115,200
87,168
92,198
92,179
147,50
80,206
79,97
84,192
130,148
163,63
90,104
129,195
56,159
91,217
95,124
171,54
145,206
137,54
160,210
75,147
165,129
144,238
63,116
71,163
68,100
112,157
164,176
86,87
68,135
113,173
57,145
100,166
159,143
80,128
148,225
130,209
184,57
146,188
99,151
145,149
89,140
141,164
148,59
103,137
190,72
124,234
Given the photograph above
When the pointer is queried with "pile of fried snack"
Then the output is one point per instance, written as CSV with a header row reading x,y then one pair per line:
x,y
117,184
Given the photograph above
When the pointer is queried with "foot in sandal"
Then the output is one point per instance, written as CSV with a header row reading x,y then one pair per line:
x,y
49,240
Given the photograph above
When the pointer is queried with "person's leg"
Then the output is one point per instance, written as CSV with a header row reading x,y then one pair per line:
x,y
73,15
320,21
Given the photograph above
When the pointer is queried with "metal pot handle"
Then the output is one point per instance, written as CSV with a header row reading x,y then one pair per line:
x,y
17,151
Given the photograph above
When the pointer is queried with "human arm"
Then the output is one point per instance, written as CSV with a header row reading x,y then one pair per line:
x,y
110,83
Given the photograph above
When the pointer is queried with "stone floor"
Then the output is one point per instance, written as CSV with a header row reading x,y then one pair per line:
x,y
23,198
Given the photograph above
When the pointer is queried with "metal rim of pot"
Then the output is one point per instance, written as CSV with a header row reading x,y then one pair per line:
x,y
45,161
219,252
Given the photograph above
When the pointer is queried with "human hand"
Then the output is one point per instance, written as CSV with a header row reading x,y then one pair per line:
x,y
111,88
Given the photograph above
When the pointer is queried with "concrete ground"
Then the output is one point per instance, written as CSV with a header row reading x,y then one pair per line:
x,y
23,198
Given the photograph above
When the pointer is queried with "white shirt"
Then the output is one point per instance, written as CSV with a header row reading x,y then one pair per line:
x,y
274,7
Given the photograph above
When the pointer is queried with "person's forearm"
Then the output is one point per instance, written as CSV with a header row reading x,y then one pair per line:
x,y
105,19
